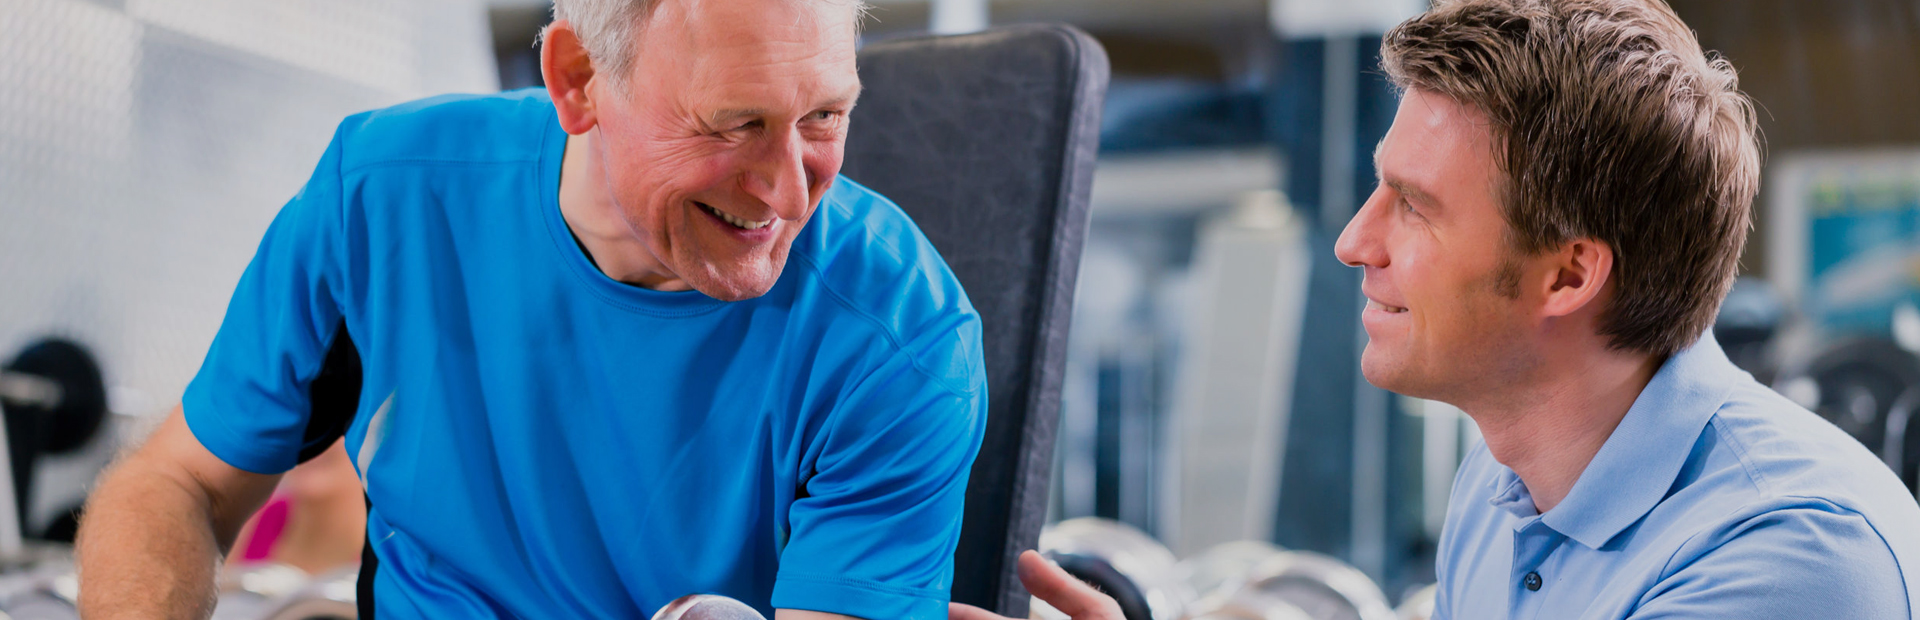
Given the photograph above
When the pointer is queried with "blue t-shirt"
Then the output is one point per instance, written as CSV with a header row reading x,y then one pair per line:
x,y
539,440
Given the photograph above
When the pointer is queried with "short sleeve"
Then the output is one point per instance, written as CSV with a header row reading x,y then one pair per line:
x,y
874,530
1785,564
249,402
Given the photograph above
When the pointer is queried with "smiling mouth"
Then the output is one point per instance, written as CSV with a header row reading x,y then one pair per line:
x,y
742,224
1374,305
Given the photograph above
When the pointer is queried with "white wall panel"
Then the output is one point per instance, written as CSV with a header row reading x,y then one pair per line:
x,y
145,146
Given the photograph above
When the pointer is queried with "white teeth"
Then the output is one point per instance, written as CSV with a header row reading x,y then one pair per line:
x,y
1385,308
737,222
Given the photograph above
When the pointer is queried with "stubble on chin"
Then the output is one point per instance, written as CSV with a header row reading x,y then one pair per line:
x,y
746,279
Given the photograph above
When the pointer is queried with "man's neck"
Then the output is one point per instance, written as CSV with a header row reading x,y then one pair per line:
x,y
587,205
1549,427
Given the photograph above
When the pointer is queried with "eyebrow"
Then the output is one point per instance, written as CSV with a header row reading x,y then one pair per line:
x,y
720,117
1404,188
1413,193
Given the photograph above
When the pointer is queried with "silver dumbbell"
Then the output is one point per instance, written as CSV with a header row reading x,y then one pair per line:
x,y
1136,570
1254,610
1222,570
1256,580
707,607
249,592
47,589
51,591
1218,574
1321,586
331,596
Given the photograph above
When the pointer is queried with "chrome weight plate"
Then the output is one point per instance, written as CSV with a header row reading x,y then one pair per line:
x,y
1126,563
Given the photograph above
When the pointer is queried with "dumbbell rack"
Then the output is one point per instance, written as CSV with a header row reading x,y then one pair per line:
x,y
1232,581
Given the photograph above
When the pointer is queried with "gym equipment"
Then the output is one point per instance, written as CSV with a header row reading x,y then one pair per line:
x,y
1853,383
47,590
707,607
72,399
1419,605
1126,563
994,131
1216,574
1260,609
1323,587
1255,580
248,593
51,591
1220,574
1241,580
331,596
1231,413
25,390
1749,318
43,605
55,402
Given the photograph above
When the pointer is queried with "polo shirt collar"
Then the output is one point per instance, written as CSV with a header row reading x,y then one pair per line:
x,y
1639,462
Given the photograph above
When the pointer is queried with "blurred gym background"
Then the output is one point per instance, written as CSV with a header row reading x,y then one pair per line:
x,y
1212,392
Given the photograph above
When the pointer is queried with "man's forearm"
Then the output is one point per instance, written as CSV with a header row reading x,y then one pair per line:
x,y
147,547
157,524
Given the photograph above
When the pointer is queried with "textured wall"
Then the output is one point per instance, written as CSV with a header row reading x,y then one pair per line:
x,y
146,144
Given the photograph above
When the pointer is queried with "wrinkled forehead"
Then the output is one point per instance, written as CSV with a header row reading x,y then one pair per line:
x,y
805,46
775,26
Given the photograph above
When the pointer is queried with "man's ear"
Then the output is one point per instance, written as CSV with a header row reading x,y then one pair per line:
x,y
568,70
1581,270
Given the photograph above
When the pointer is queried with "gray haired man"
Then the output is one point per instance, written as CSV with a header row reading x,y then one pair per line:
x,y
623,339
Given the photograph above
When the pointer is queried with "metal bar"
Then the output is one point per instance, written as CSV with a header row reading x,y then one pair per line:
x,y
32,390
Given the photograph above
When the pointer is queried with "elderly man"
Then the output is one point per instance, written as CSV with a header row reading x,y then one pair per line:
x,y
1563,199
623,340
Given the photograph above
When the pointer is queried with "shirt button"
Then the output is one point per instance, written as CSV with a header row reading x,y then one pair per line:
x,y
1532,581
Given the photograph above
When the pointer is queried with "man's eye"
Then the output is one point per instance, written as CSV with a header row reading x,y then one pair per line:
x,y
823,115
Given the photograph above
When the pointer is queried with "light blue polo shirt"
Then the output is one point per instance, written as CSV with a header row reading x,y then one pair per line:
x,y
1714,498
538,440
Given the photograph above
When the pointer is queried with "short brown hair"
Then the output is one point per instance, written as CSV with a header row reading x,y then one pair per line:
x,y
1609,123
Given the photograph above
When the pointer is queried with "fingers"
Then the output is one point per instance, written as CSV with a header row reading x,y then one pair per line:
x,y
963,611
1056,587
1064,592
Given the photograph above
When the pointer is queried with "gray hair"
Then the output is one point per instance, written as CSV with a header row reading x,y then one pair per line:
x,y
608,28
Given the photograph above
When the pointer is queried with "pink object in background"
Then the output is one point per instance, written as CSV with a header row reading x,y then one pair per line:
x,y
314,521
267,525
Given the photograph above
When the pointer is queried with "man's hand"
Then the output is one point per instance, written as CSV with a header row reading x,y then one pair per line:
x,y
1059,589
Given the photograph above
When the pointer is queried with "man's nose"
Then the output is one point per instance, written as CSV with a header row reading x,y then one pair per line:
x,y
1359,244
779,177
